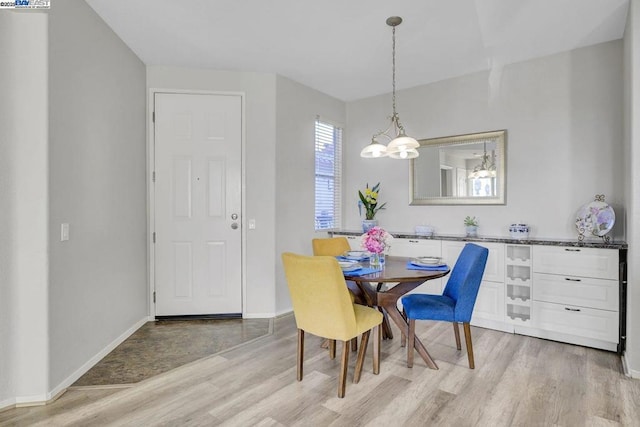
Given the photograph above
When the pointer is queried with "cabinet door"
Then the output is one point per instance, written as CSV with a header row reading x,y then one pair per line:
x,y
489,303
413,248
585,262
494,270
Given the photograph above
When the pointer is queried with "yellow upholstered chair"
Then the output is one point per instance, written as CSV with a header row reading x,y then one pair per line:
x,y
332,246
322,307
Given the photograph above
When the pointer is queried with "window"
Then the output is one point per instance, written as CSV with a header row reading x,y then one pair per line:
x,y
328,176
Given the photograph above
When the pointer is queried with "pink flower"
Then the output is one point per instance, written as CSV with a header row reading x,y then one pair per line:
x,y
376,240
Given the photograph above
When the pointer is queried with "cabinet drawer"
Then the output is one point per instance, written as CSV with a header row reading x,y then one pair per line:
x,y
578,321
585,262
415,247
578,291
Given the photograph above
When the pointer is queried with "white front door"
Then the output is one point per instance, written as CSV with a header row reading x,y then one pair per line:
x,y
198,256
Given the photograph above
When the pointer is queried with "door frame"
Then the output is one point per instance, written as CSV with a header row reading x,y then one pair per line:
x,y
151,217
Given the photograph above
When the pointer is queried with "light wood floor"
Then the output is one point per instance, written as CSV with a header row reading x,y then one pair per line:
x,y
518,380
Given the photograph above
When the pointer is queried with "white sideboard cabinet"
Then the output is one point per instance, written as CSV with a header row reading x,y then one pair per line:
x,y
559,290
576,295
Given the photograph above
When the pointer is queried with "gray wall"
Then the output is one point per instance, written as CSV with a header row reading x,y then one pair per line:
x,y
98,279
563,114
297,107
632,181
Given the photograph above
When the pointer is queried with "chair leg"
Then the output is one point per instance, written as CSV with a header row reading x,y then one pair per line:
x,y
332,349
342,380
412,339
361,356
354,344
403,337
456,332
377,336
467,339
300,356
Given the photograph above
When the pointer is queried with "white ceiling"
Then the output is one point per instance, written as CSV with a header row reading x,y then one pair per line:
x,y
343,47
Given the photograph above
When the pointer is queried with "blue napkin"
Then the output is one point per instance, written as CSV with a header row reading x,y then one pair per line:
x,y
361,271
412,266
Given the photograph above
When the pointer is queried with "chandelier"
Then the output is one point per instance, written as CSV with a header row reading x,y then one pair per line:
x,y
486,168
400,146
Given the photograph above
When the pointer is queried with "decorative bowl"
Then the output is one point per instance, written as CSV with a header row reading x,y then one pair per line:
x,y
519,231
424,230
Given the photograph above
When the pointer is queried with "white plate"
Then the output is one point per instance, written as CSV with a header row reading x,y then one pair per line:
x,y
346,264
352,267
427,260
356,255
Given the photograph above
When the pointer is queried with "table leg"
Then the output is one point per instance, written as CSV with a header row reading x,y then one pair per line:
x,y
401,323
387,333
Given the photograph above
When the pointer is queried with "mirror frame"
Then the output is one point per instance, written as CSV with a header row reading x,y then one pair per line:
x,y
500,137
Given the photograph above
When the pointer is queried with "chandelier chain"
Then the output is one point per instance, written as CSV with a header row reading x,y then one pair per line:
x,y
393,67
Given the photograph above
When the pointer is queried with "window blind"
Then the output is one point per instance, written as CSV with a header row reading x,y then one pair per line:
x,y
328,173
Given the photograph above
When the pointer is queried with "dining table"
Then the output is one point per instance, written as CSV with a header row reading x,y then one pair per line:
x,y
385,286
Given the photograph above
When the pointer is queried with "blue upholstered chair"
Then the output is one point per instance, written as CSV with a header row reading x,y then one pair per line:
x,y
456,302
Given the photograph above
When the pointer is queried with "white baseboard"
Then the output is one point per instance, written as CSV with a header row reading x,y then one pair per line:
x,y
7,404
258,315
60,388
633,373
284,312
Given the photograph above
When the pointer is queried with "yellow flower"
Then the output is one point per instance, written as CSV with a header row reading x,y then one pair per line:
x,y
370,201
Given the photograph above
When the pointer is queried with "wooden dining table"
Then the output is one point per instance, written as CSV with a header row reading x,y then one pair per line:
x,y
383,289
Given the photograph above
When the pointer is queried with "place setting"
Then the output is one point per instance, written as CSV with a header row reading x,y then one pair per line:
x,y
350,263
428,263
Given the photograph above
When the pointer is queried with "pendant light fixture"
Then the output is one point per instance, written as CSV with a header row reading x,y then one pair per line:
x,y
401,145
486,168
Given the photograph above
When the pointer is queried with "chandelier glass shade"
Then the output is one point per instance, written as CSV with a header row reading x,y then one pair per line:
x,y
400,146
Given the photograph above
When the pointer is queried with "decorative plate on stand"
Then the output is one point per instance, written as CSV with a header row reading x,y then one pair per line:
x,y
595,219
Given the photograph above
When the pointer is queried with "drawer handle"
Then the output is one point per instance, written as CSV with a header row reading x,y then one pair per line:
x,y
414,241
572,280
571,250
571,309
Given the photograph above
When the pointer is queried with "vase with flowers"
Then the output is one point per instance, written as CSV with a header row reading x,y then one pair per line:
x,y
369,199
376,241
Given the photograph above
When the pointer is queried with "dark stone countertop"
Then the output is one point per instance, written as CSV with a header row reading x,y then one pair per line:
x,y
590,243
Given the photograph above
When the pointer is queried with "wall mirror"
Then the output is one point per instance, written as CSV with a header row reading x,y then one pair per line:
x,y
460,170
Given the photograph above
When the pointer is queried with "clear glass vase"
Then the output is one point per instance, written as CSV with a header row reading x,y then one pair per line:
x,y
376,261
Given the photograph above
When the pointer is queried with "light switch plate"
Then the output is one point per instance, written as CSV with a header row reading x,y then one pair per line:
x,y
64,232
252,224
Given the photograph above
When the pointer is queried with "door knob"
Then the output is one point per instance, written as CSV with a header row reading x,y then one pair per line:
x,y
234,225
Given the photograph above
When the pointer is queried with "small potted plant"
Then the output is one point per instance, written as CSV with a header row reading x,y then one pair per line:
x,y
471,226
